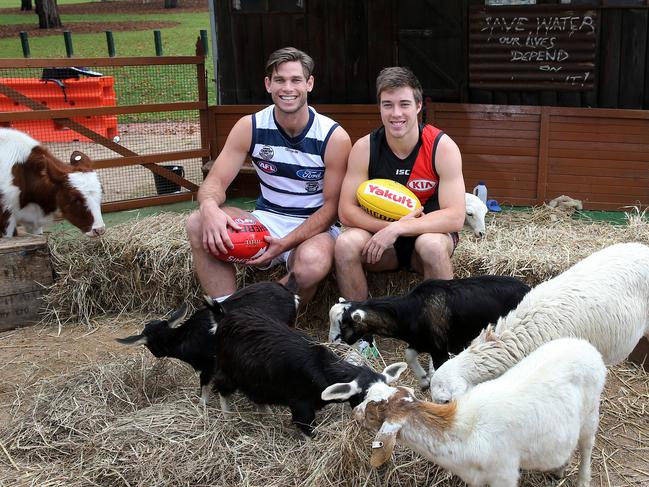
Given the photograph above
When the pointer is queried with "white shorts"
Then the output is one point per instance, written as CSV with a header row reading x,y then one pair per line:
x,y
281,225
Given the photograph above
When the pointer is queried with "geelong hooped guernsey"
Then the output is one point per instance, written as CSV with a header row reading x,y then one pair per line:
x,y
290,169
417,171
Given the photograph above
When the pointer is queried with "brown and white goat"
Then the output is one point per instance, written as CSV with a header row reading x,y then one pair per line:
x,y
532,417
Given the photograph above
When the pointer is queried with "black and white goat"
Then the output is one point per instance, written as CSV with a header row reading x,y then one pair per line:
x,y
272,364
192,340
437,317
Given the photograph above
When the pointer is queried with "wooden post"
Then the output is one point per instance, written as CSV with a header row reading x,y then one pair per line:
x,y
110,42
24,42
67,37
157,39
542,167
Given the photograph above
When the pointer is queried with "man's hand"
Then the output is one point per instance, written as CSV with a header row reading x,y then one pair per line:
x,y
385,238
276,246
215,223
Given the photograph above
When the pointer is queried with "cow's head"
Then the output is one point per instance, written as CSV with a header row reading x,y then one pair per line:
x,y
79,194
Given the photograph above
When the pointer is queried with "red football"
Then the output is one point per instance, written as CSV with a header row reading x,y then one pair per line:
x,y
249,242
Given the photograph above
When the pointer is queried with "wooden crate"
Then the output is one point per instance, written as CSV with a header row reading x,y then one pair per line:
x,y
25,267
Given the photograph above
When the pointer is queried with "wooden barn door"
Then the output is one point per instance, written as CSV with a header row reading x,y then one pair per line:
x,y
431,40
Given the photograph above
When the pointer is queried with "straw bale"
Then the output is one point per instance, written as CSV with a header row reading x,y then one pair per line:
x,y
145,265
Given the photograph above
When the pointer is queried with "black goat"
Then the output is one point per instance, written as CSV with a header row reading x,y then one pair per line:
x,y
193,341
273,364
437,317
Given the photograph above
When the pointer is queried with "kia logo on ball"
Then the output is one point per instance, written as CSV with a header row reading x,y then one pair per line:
x,y
267,167
421,184
310,174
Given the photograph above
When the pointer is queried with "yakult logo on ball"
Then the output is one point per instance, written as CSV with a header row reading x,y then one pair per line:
x,y
421,184
388,195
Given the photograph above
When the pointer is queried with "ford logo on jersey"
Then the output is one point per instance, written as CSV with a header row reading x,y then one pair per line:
x,y
310,174
421,184
267,167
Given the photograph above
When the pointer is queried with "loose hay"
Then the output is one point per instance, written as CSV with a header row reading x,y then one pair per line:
x,y
137,421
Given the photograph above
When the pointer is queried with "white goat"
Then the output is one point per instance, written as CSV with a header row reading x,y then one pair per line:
x,y
603,299
475,214
532,418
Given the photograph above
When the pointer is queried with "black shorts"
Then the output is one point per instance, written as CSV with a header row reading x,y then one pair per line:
x,y
405,246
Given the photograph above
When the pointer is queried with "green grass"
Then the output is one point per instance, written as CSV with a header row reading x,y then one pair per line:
x,y
16,3
177,41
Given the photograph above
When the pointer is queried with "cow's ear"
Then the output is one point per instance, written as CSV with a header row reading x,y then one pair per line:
x,y
78,158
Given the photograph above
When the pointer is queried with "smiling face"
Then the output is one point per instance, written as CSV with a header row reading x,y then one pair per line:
x,y
288,87
399,112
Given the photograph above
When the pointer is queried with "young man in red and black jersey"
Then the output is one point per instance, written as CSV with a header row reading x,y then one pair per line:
x,y
422,158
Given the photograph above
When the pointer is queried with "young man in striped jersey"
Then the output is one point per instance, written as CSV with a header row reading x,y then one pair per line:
x,y
300,157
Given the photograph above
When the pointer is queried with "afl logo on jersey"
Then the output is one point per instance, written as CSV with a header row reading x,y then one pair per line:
x,y
266,153
421,184
267,167
310,174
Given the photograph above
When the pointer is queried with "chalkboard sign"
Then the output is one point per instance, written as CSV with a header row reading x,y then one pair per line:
x,y
532,48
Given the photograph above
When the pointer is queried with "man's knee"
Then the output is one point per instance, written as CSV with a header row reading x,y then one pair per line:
x,y
313,259
194,228
432,248
350,243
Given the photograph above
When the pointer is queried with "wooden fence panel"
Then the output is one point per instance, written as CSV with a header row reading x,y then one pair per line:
x,y
499,147
525,155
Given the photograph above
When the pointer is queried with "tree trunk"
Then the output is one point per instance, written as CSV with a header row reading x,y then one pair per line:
x,y
171,3
48,14
25,4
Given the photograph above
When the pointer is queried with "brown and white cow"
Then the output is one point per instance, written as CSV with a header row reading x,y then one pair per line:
x,y
34,184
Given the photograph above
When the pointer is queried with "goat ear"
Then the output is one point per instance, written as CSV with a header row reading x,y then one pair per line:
x,y
215,307
341,391
383,443
392,372
357,316
132,340
341,299
178,316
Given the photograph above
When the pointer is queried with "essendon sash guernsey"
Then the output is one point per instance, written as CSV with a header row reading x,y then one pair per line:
x,y
416,172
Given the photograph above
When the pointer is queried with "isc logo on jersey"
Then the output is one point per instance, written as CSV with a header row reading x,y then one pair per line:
x,y
421,185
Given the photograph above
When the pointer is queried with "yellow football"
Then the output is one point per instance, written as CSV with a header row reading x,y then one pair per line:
x,y
386,199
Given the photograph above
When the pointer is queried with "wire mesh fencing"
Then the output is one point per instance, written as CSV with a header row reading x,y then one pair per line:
x,y
126,118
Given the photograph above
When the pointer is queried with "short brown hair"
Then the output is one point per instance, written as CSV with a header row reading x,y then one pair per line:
x,y
287,54
398,77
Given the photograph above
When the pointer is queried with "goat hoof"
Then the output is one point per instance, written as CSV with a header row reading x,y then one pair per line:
x,y
424,384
